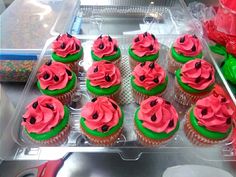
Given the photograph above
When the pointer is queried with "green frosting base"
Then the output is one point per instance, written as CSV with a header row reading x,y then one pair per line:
x,y
68,58
189,89
229,69
205,132
107,58
181,58
149,133
55,131
144,58
96,90
102,134
218,49
154,91
70,85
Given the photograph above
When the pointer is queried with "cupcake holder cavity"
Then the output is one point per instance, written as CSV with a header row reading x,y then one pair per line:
x,y
128,137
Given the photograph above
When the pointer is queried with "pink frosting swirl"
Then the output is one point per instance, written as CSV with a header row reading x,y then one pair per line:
x,y
214,113
188,45
42,114
145,44
198,74
101,114
54,75
148,75
65,45
158,115
104,46
104,74
229,4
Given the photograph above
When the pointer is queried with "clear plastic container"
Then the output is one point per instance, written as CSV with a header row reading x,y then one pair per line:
x,y
20,147
127,145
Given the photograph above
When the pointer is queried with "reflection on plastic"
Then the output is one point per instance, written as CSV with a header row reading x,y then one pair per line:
x,y
195,171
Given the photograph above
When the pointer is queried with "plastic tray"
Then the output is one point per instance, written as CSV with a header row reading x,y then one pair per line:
x,y
15,145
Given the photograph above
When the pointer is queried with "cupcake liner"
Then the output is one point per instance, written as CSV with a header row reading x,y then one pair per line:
x,y
117,62
139,97
133,62
148,141
66,98
172,64
194,137
185,98
74,66
103,141
114,96
56,140
217,57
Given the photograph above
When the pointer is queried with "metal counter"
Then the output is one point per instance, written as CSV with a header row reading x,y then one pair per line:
x,y
104,164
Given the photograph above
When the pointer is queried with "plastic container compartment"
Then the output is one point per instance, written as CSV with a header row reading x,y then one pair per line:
x,y
25,26
127,145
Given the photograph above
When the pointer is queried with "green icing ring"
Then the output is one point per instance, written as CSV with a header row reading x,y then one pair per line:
x,y
218,49
158,89
229,69
108,58
69,87
181,58
103,134
102,91
149,133
144,58
55,131
68,58
207,133
188,88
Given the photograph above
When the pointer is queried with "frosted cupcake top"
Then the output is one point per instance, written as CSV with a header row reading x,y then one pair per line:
x,y
148,75
101,114
42,114
145,44
65,45
104,74
158,115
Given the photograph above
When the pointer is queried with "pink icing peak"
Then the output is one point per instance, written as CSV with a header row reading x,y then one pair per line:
x,y
230,4
158,115
188,45
148,75
65,45
42,114
145,44
198,74
104,46
54,76
214,113
104,74
101,114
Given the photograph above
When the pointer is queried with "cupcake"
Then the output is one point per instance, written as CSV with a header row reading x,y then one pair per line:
x,y
193,81
46,121
68,50
209,121
228,68
144,47
148,79
57,80
106,48
103,79
156,121
221,30
185,48
101,121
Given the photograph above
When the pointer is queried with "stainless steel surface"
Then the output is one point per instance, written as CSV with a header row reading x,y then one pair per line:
x,y
106,165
